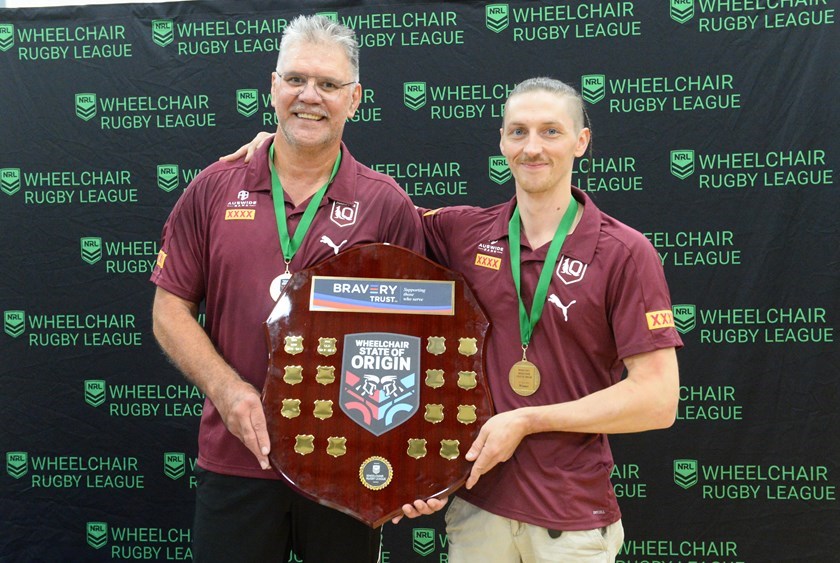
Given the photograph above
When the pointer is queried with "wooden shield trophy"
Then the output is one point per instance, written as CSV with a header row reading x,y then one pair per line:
x,y
376,387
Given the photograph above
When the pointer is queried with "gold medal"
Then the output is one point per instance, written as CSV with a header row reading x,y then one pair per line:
x,y
524,377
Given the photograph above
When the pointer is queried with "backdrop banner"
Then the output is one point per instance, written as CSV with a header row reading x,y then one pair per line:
x,y
716,133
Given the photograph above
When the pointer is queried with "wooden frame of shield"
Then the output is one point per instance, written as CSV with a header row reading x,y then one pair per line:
x,y
376,385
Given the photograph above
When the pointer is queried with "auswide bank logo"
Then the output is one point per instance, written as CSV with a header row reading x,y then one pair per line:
x,y
682,10
685,317
414,95
95,392
7,36
174,465
247,102
91,249
497,17
163,32
85,106
423,540
17,464
14,323
97,534
10,180
682,163
593,87
167,177
685,472
498,169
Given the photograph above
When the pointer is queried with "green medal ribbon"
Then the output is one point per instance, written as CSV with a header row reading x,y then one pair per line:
x,y
290,245
526,322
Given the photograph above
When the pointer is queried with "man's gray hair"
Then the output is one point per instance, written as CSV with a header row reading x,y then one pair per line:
x,y
321,30
558,88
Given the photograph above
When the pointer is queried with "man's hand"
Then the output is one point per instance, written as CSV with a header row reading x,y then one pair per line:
x,y
247,150
421,507
496,442
242,412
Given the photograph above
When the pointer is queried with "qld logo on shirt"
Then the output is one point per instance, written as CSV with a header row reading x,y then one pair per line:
x,y
380,387
570,270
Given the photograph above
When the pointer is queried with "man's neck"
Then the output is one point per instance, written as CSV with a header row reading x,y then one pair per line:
x,y
303,172
541,214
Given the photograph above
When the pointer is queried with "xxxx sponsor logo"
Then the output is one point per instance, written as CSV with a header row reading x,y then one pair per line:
x,y
91,249
96,534
423,540
247,102
167,177
240,214
14,323
497,17
10,180
498,169
682,10
174,465
685,317
85,106
17,464
682,163
95,392
414,95
163,32
488,261
685,472
7,36
660,319
593,87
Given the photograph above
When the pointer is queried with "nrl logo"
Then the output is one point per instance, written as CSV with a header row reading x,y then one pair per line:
x,y
163,32
14,323
498,169
91,248
682,10
414,95
423,540
247,102
10,180
7,36
17,464
682,163
380,383
85,106
593,87
685,472
97,534
496,17
174,465
95,392
685,318
333,16
167,177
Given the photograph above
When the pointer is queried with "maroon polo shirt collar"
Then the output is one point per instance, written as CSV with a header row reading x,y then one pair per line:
x,y
580,245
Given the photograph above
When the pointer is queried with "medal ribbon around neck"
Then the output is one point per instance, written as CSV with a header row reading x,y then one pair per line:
x,y
290,245
528,322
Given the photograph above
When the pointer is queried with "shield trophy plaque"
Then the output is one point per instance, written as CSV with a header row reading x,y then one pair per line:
x,y
376,386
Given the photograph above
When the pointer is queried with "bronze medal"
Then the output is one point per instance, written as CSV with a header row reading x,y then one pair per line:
x,y
524,378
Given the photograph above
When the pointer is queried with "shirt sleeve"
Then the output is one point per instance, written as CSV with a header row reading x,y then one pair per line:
x,y
436,232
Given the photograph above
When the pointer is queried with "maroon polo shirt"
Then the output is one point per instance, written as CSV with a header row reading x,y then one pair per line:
x,y
607,300
220,245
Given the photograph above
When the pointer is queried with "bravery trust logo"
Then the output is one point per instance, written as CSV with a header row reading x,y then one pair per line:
x,y
167,177
499,169
163,32
95,392
247,102
91,249
685,318
14,323
682,10
685,472
593,87
423,541
380,387
17,464
10,180
414,95
497,17
7,36
85,106
97,534
682,163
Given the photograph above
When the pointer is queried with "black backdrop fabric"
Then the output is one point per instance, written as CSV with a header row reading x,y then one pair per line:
x,y
715,127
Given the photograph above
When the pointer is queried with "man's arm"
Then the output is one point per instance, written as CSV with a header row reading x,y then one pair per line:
x,y
645,400
187,345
